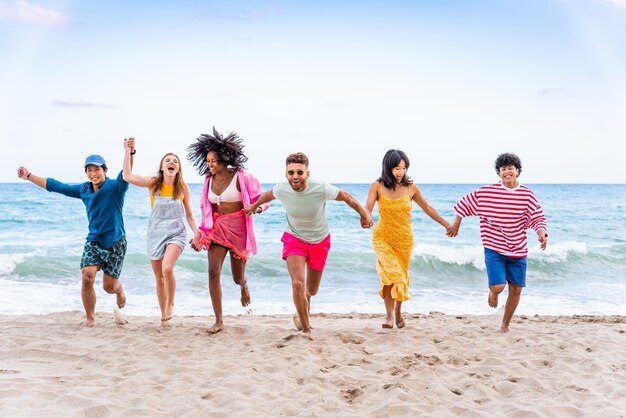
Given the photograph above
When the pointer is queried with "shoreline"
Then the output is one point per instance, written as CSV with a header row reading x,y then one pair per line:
x,y
438,365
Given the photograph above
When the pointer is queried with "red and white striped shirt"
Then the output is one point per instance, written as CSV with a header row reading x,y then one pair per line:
x,y
505,215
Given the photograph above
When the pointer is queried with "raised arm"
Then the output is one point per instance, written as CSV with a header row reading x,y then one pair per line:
x,y
127,170
25,174
366,219
428,210
266,197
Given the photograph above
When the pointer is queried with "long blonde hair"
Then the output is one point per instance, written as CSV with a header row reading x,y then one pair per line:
x,y
157,181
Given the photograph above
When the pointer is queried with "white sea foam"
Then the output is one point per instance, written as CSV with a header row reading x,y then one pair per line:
x,y
453,255
558,252
9,261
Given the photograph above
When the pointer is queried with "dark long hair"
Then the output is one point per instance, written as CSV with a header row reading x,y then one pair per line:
x,y
229,151
156,182
391,160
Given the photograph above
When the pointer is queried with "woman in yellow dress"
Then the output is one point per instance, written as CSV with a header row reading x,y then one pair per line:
x,y
392,237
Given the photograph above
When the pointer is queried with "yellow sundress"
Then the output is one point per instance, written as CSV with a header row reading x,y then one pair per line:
x,y
392,240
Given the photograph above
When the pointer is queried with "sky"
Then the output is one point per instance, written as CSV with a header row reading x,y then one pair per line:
x,y
453,83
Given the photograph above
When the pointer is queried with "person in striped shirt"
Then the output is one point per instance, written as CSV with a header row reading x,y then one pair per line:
x,y
506,210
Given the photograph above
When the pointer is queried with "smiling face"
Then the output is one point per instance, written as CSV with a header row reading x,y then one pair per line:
x,y
170,166
213,163
508,174
399,171
297,175
96,175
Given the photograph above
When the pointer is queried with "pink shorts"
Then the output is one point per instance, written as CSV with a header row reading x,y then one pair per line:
x,y
315,254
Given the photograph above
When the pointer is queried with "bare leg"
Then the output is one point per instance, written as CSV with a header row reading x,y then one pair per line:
x,y
160,287
389,305
216,260
88,294
398,314
494,291
238,267
114,286
295,265
172,252
515,293
313,281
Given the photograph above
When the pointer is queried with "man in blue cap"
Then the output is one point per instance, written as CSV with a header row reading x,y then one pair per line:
x,y
105,246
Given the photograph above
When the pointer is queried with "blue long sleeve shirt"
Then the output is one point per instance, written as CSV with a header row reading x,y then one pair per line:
x,y
104,207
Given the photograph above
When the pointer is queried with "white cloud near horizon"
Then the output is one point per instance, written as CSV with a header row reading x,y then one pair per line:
x,y
23,11
83,104
620,4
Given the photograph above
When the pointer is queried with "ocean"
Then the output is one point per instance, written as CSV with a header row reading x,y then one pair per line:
x,y
583,270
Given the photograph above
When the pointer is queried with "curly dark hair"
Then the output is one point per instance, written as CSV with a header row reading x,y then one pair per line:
x,y
391,160
297,158
229,151
508,159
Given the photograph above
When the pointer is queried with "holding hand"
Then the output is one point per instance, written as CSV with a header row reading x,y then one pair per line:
x,y
366,222
251,210
129,144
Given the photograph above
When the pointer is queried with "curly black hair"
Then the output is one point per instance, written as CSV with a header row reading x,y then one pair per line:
x,y
506,159
229,151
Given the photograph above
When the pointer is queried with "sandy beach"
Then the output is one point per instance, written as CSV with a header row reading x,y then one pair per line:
x,y
439,365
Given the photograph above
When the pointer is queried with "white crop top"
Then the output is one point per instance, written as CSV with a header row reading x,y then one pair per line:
x,y
231,194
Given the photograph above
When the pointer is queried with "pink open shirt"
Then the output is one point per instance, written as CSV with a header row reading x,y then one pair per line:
x,y
250,193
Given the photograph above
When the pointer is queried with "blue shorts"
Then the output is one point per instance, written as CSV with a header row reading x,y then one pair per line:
x,y
109,261
502,269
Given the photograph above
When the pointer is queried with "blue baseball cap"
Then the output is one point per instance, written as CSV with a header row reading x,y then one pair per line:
x,y
95,160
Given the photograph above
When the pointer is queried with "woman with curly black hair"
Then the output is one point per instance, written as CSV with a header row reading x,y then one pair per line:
x,y
228,188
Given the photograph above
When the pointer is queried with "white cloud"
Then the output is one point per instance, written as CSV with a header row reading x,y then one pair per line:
x,y
23,11
82,104
620,4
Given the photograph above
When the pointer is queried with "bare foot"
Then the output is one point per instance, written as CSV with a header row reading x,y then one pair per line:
x,y
388,323
121,299
168,314
492,299
307,334
118,317
245,294
399,319
215,328
89,322
504,328
297,322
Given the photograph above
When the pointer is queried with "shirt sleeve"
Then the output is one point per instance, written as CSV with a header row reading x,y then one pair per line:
x,y
467,206
120,184
537,219
73,190
331,191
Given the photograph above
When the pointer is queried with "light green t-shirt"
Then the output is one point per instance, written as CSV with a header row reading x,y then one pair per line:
x,y
306,210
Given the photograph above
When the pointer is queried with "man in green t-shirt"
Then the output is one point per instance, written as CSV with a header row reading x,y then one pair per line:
x,y
307,238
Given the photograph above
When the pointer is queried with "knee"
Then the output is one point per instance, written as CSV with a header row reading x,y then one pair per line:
x,y
214,273
515,290
109,286
88,279
312,292
497,289
298,287
168,270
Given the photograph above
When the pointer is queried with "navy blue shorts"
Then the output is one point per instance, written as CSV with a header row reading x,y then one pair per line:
x,y
502,269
